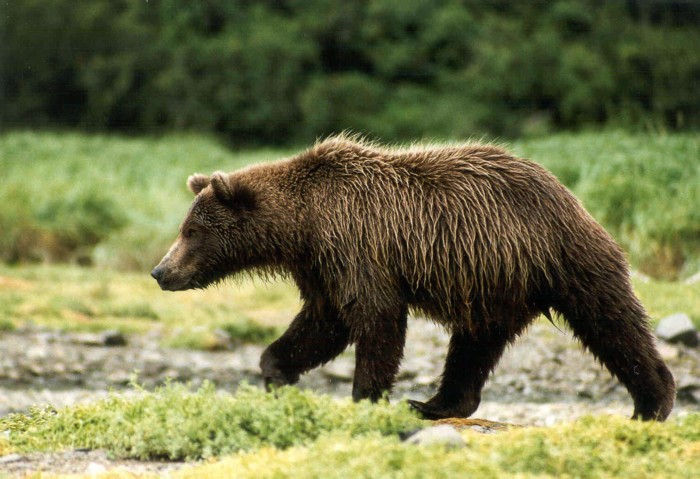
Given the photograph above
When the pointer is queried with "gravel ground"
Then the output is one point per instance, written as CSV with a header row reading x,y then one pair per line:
x,y
543,379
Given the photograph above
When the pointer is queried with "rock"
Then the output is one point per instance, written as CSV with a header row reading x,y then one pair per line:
x,y
87,339
678,328
442,435
11,458
483,426
482,429
668,352
689,393
105,338
414,366
425,380
120,377
113,338
95,468
340,369
220,340
37,352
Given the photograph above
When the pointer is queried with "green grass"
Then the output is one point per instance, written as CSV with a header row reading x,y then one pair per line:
x,y
116,202
644,189
254,434
176,423
662,298
105,200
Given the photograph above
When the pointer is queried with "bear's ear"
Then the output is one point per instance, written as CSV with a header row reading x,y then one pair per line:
x,y
197,183
232,193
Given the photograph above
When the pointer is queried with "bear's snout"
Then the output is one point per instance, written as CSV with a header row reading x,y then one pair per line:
x,y
167,280
172,277
157,273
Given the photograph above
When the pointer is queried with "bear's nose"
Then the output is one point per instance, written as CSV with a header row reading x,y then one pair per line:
x,y
157,273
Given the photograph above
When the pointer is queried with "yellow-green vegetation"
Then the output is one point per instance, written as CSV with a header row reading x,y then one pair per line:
x,y
116,202
176,423
87,299
303,435
662,298
588,448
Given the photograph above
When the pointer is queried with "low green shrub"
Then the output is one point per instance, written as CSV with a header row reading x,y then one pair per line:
x,y
176,423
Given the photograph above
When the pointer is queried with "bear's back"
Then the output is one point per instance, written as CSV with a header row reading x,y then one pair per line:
x,y
442,218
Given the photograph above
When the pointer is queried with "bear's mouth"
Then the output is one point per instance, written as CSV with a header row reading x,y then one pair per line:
x,y
173,282
172,286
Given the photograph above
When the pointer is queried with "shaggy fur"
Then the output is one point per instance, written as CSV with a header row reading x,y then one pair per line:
x,y
469,236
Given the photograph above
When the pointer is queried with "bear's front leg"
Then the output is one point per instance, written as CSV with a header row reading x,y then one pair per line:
x,y
315,337
378,354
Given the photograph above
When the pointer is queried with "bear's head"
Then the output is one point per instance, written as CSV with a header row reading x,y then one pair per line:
x,y
219,236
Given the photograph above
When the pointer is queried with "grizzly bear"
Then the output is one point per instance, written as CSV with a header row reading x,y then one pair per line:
x,y
469,236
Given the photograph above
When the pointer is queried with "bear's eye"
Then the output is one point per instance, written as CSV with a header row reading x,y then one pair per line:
x,y
189,232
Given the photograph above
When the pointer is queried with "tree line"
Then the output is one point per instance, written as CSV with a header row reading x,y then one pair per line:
x,y
280,71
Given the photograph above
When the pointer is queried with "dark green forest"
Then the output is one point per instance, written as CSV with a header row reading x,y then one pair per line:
x,y
264,71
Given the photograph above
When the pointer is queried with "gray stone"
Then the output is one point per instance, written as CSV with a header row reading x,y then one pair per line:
x,y
11,458
340,369
442,435
105,338
678,328
113,338
95,468
689,393
668,352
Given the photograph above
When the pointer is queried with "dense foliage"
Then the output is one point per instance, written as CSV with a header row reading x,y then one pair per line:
x,y
288,70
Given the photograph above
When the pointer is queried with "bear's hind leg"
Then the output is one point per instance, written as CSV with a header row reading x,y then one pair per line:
x,y
613,326
316,336
470,360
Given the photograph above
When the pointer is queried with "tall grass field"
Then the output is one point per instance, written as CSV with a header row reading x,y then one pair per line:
x,y
116,202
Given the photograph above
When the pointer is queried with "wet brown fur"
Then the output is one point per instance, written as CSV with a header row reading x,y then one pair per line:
x,y
468,235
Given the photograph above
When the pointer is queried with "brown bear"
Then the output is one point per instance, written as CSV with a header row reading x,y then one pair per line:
x,y
469,236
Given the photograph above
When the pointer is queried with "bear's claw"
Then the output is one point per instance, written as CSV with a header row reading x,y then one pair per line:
x,y
427,411
435,408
